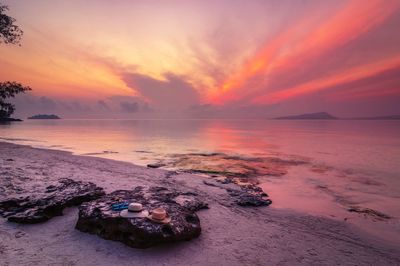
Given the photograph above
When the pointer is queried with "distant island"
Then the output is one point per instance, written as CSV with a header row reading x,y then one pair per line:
x,y
327,116
44,117
315,116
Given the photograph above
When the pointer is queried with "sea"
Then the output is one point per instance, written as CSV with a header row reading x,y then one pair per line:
x,y
352,163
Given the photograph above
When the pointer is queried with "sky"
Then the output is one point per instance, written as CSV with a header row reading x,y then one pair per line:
x,y
205,59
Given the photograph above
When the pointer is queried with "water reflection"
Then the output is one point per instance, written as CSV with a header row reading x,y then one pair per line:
x,y
347,158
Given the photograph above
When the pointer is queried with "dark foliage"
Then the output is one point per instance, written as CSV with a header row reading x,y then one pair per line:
x,y
9,32
9,89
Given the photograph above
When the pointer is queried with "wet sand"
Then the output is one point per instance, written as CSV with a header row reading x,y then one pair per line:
x,y
232,235
301,184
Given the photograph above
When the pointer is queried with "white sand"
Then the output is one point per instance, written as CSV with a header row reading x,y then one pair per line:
x,y
231,235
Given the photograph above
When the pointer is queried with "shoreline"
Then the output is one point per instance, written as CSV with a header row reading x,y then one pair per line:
x,y
294,183
231,234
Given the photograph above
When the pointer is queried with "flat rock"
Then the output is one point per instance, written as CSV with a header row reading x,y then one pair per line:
x,y
246,195
41,206
97,217
249,198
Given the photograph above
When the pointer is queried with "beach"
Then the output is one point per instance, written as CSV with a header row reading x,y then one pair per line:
x,y
231,234
199,133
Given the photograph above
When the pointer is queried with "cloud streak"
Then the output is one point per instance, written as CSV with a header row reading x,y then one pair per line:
x,y
347,76
292,49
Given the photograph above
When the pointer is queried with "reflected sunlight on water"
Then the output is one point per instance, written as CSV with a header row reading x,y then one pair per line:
x,y
357,145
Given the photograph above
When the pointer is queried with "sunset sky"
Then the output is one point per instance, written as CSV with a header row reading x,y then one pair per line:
x,y
205,58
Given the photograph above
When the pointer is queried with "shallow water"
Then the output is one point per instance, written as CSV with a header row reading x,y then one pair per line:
x,y
351,163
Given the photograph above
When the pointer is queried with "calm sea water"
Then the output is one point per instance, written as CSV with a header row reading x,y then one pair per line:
x,y
363,156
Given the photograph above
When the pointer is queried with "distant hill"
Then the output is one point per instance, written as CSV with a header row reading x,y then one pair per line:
x,y
44,117
315,116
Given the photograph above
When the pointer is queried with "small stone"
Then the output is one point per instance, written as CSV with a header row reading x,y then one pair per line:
x,y
209,183
19,234
155,165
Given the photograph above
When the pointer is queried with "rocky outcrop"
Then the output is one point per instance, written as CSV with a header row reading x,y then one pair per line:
x,y
232,167
369,212
249,200
248,195
97,217
43,205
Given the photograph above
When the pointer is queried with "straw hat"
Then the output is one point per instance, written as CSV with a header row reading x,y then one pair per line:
x,y
135,210
159,215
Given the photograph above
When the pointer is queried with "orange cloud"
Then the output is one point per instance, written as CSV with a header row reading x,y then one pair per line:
x,y
343,77
60,69
254,66
350,22
283,54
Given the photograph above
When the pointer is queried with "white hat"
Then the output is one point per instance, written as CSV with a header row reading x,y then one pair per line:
x,y
135,210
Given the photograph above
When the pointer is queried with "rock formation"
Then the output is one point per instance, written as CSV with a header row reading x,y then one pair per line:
x,y
97,217
43,205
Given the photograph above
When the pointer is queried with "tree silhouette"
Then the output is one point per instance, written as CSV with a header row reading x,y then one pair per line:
x,y
9,33
9,89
